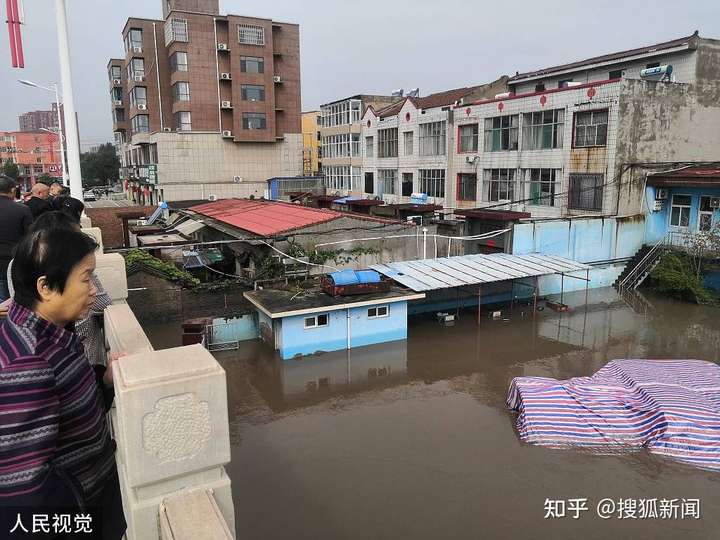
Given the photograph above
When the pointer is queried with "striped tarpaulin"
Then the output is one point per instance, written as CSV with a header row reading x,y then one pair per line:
x,y
670,407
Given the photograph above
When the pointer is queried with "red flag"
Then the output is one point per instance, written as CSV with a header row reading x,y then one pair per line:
x,y
18,36
13,22
11,31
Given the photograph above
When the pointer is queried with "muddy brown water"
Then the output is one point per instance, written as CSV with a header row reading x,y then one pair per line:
x,y
413,439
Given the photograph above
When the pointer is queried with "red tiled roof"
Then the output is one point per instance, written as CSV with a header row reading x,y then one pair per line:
x,y
438,99
265,217
605,58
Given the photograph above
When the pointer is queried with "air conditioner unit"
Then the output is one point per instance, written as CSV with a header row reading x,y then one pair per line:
x,y
277,79
118,102
222,47
227,133
237,179
661,194
138,78
167,129
225,104
137,50
225,76
117,81
212,198
142,107
714,202
471,159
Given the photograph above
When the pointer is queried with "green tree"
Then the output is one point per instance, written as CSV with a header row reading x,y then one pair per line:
x,y
100,168
11,169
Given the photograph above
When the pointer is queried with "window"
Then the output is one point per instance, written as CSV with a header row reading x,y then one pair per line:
x,y
369,147
138,96
116,93
176,30
254,121
316,321
387,142
181,91
680,211
136,68
386,181
467,187
141,123
377,312
183,121
115,72
432,182
118,115
500,184
540,87
705,214
468,135
615,74
252,64
541,186
342,113
564,83
432,139
355,140
133,39
342,177
179,61
501,133
407,184
586,192
252,92
249,34
408,139
369,183
543,130
340,145
591,128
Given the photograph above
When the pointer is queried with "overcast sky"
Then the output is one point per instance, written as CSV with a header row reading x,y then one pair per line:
x,y
373,46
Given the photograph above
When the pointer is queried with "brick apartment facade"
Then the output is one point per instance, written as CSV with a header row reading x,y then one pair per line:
x,y
34,152
206,104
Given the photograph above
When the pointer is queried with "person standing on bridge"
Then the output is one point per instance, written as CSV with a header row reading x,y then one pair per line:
x,y
15,220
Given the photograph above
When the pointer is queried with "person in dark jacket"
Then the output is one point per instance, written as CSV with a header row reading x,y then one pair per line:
x,y
15,220
38,202
54,402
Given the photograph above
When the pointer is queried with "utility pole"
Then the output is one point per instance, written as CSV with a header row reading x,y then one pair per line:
x,y
71,140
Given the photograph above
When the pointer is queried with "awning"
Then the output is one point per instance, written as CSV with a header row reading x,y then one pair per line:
x,y
444,273
188,227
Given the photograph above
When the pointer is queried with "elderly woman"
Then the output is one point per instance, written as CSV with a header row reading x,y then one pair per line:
x,y
55,446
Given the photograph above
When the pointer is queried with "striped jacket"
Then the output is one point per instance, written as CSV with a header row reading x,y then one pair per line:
x,y
52,413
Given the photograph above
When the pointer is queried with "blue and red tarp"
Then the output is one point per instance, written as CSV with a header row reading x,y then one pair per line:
x,y
670,407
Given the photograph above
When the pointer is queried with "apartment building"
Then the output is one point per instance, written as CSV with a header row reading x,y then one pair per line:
x,y
312,156
340,134
407,146
573,139
206,104
34,152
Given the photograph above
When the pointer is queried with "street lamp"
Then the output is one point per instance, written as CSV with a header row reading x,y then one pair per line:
x,y
66,180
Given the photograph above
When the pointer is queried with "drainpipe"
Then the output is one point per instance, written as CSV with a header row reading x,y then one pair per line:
x,y
157,73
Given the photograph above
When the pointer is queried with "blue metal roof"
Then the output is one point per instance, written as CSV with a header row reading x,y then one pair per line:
x,y
443,273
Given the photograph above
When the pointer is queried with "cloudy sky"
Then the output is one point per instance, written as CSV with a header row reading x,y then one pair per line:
x,y
348,47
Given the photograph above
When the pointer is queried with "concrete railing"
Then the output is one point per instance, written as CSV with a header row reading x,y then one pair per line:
x,y
170,422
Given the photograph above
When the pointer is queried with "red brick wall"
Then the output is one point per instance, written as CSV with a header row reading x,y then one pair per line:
x,y
109,221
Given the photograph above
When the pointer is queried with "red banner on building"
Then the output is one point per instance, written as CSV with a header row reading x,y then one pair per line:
x,y
13,22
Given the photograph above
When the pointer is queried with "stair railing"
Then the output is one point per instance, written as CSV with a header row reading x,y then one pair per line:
x,y
650,257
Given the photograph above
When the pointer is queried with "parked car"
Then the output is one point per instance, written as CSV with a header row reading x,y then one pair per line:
x,y
89,195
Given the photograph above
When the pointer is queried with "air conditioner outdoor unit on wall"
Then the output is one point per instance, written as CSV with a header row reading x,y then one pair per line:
x,y
225,104
237,179
167,129
714,202
227,133
277,78
118,102
117,81
137,50
222,47
225,76
138,78
661,194
212,198
142,107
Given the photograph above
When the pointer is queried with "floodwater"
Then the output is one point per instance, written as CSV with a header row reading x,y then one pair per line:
x,y
414,440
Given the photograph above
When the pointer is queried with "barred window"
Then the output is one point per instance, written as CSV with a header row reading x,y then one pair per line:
x,y
254,121
467,187
369,147
183,121
500,184
432,182
387,142
181,91
249,34
501,133
468,138
541,186
432,139
176,30
252,64
179,61
591,128
387,178
543,130
586,192
408,142
140,123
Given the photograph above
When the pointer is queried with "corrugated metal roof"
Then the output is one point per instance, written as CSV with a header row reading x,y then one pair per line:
x,y
265,217
431,274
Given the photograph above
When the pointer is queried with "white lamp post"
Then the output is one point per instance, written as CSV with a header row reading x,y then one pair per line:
x,y
66,181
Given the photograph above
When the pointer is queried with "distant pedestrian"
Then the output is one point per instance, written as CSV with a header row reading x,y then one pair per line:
x,y
38,202
15,220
